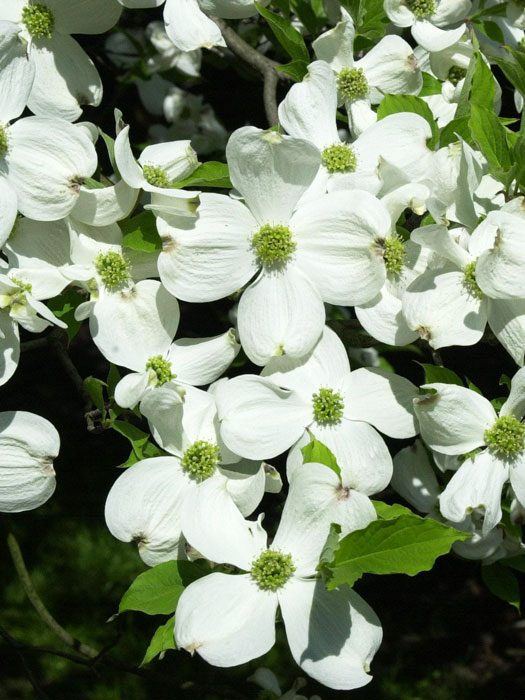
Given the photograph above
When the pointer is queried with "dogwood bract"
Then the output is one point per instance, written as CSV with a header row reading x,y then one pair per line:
x,y
230,619
28,446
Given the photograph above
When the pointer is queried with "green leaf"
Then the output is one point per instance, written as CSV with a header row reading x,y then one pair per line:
x,y
113,379
369,17
95,388
492,30
482,90
295,70
435,373
64,306
163,640
386,511
138,439
503,583
512,65
407,545
330,547
140,233
210,174
457,128
392,104
517,563
157,590
286,34
431,85
315,451
110,146
490,136
307,14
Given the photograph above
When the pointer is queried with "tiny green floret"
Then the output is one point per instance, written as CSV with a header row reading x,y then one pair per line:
x,y
422,9
506,437
456,74
339,158
113,268
272,569
201,460
469,280
352,83
156,176
160,370
39,20
273,245
328,406
4,141
394,254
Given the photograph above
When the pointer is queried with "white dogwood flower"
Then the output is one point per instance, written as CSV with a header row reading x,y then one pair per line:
x,y
146,503
389,68
186,361
158,166
415,480
446,306
187,22
431,21
230,619
28,446
294,399
43,163
62,77
119,308
309,112
457,421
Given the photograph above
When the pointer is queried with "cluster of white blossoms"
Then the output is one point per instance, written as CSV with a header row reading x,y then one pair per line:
x,y
387,195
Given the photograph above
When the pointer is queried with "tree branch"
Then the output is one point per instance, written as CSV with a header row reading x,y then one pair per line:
x,y
55,341
36,602
264,65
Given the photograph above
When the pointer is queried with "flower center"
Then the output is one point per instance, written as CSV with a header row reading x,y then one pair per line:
x,y
4,142
273,245
156,176
17,298
200,460
328,407
339,158
160,370
456,74
422,8
469,280
39,20
113,268
352,83
271,570
506,437
393,254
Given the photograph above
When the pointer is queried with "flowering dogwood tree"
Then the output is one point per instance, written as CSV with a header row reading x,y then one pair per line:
x,y
258,296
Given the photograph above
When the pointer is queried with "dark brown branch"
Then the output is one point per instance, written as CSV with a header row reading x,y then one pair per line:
x,y
265,66
55,340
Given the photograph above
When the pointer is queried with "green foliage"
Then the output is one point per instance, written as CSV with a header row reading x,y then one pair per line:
x,y
140,233
141,445
295,69
157,590
489,135
431,85
369,17
385,511
435,373
407,544
392,104
162,641
287,36
64,306
315,451
210,174
502,582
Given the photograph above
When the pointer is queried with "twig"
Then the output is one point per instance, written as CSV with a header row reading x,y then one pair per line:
x,y
19,650
264,65
35,344
55,341
36,602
